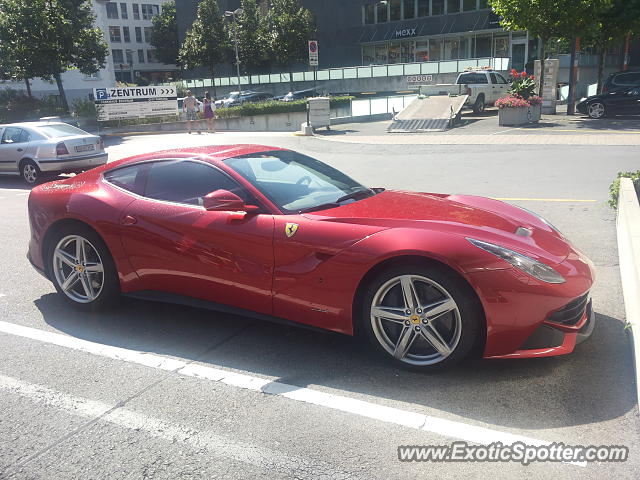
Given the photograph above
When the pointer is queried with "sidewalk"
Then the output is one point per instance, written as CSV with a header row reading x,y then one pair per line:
x,y
484,130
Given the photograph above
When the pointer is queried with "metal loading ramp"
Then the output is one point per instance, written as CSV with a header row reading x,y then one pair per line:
x,y
429,114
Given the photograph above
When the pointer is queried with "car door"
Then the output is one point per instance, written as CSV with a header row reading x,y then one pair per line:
x,y
619,102
12,147
503,85
634,107
176,246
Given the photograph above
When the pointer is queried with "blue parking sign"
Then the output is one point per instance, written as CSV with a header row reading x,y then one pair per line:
x,y
101,94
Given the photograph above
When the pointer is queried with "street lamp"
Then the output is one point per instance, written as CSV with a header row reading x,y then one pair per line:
x,y
233,15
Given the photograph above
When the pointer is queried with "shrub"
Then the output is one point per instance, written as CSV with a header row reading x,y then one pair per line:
x,y
614,188
522,85
512,101
273,106
16,106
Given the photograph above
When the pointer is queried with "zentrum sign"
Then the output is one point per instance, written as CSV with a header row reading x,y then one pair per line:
x,y
405,32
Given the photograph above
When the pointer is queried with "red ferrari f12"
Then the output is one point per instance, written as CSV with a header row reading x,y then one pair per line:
x,y
277,235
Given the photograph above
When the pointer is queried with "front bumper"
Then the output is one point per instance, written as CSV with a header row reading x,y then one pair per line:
x,y
73,164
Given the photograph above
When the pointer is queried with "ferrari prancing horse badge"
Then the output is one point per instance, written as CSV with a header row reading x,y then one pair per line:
x,y
290,229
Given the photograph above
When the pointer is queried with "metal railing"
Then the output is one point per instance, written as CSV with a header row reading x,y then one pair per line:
x,y
370,71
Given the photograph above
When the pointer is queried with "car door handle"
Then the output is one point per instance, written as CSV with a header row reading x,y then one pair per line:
x,y
19,149
129,220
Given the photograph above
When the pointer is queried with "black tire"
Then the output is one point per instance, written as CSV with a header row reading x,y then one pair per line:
x,y
469,317
109,293
30,172
478,107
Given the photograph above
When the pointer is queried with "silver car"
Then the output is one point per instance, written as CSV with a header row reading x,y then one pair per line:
x,y
32,149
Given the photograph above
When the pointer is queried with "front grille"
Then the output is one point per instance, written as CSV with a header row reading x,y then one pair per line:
x,y
572,312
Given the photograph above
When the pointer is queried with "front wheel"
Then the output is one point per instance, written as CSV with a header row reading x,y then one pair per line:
x,y
596,110
478,107
81,268
424,318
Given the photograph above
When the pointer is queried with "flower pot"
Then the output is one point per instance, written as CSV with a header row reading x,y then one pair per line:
x,y
518,116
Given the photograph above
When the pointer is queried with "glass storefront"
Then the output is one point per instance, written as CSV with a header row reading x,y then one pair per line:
x,y
444,47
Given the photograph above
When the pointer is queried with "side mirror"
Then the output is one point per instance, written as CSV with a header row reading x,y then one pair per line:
x,y
226,201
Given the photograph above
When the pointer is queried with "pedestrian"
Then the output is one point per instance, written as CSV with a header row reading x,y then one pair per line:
x,y
209,112
190,105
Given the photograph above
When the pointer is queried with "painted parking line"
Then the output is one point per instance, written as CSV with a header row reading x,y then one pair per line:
x,y
570,200
417,421
266,459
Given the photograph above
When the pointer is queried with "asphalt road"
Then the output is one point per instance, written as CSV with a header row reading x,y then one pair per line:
x,y
160,391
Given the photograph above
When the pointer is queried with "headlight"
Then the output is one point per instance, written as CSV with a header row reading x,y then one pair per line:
x,y
528,265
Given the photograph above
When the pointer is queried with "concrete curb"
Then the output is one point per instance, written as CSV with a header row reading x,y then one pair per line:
x,y
628,232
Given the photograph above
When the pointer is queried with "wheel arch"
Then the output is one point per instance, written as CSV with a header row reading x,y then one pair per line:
x,y
412,260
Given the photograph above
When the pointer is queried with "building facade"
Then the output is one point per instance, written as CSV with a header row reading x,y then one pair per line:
x,y
127,29
368,32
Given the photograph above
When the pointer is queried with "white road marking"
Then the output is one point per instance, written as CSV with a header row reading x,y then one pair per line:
x,y
12,190
22,194
418,421
262,457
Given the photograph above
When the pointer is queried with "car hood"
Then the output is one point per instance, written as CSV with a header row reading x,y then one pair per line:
x,y
477,217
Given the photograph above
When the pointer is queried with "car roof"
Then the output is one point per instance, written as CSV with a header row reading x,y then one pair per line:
x,y
32,124
212,153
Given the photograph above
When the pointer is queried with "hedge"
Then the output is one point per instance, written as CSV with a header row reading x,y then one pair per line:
x,y
274,106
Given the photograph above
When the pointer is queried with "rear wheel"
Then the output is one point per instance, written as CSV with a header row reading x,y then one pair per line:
x,y
596,110
30,172
424,318
478,107
81,268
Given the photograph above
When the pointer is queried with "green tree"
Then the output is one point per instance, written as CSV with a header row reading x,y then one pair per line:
x,y
612,24
164,34
206,42
62,37
18,32
290,28
252,39
547,18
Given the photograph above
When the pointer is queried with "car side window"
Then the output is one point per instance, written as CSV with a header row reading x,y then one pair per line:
x,y
11,135
128,178
501,79
185,181
25,136
494,79
627,79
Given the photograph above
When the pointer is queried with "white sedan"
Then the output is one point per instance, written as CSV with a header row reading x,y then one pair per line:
x,y
32,149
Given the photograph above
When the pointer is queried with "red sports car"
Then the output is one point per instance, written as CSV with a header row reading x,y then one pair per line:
x,y
274,234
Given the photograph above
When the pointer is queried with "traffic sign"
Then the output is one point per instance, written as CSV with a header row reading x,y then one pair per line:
x,y
313,53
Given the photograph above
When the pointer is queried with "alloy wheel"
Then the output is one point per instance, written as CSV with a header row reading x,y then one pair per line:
x,y
78,269
596,110
416,320
29,173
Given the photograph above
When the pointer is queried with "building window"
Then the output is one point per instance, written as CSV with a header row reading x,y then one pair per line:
x,y
453,6
117,56
468,5
140,56
136,11
451,49
409,9
394,52
483,4
381,54
123,11
138,34
147,34
114,34
112,10
126,34
368,54
408,51
502,46
434,50
382,12
437,7
422,51
151,56
148,11
483,46
395,10
423,8
369,14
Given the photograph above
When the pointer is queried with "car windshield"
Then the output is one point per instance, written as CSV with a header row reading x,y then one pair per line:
x,y
57,130
297,183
